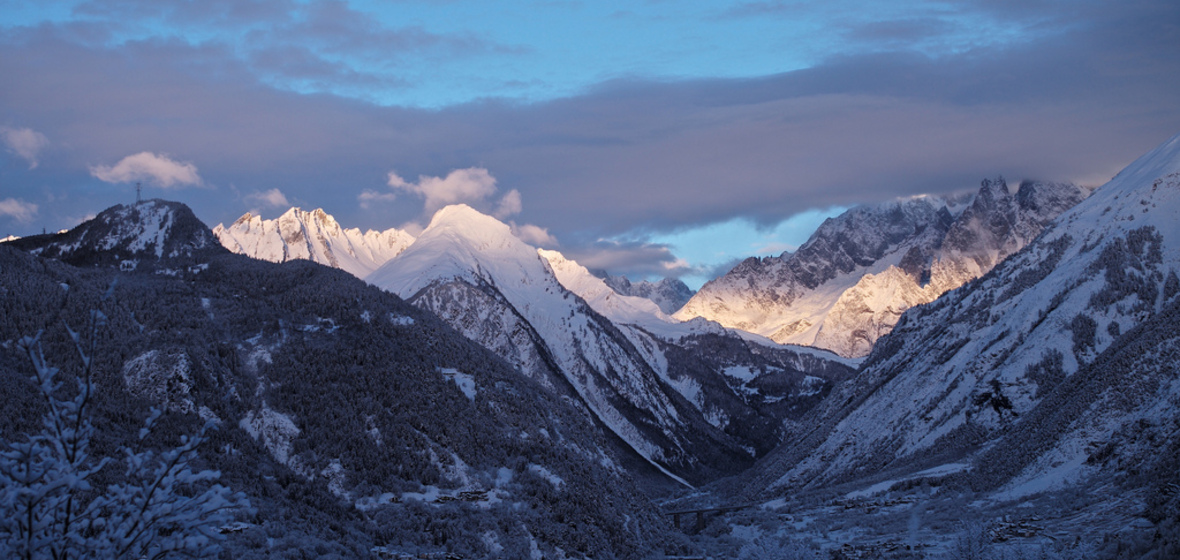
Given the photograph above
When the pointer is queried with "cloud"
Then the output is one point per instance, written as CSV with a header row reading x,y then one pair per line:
x,y
632,259
325,46
18,210
369,196
273,197
470,185
1082,99
534,235
24,142
159,170
509,205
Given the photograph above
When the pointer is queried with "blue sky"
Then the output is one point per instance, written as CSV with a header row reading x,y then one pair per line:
x,y
644,137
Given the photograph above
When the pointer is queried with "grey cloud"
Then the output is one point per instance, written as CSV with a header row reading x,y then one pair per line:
x,y
633,259
1074,104
315,45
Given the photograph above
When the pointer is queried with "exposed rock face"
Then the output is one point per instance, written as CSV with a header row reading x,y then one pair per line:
x,y
1058,365
670,294
315,236
846,287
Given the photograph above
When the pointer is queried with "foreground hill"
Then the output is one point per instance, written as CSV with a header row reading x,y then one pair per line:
x,y
351,419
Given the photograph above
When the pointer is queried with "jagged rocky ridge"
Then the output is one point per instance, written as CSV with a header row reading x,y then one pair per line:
x,y
670,294
1058,369
315,236
351,419
848,284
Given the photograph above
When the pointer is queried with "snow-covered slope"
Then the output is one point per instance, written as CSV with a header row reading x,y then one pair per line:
x,y
1032,372
469,269
315,236
349,418
151,231
616,307
850,282
641,375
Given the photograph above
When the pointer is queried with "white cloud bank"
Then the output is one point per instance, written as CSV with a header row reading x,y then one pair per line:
x,y
18,210
159,170
473,186
24,142
368,197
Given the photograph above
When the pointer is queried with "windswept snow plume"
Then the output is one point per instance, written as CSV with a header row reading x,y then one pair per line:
x,y
159,170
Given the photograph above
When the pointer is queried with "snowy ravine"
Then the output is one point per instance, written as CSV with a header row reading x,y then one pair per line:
x,y
847,286
314,236
1060,366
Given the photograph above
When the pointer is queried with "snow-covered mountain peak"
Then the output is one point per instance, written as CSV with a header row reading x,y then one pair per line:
x,y
463,243
616,307
670,294
1068,341
850,281
244,219
152,230
1162,161
313,235
462,222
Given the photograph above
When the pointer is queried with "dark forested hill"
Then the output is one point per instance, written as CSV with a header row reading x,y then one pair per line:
x,y
351,419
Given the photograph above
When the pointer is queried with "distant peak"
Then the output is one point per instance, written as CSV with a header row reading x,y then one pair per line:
x,y
149,230
466,218
997,186
245,218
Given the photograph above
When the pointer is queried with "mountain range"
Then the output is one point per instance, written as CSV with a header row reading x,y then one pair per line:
x,y
464,392
848,284
1054,373
314,236
356,424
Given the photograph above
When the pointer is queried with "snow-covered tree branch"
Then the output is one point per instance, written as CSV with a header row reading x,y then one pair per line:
x,y
50,507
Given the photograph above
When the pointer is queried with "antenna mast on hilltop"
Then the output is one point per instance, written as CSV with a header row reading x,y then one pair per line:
x,y
138,191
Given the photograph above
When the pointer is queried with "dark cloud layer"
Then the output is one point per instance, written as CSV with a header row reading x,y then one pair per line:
x,y
1098,87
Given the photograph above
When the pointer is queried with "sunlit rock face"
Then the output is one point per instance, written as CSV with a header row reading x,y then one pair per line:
x,y
847,286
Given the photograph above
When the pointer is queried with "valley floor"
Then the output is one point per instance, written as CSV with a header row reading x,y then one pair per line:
x,y
929,522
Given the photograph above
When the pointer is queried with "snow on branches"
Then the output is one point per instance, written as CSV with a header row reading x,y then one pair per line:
x,y
51,508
